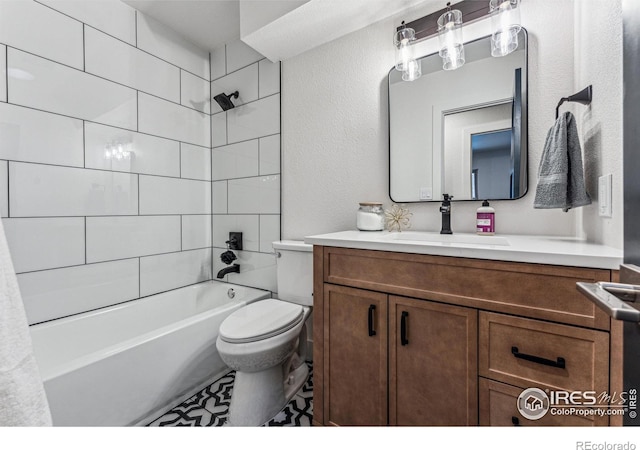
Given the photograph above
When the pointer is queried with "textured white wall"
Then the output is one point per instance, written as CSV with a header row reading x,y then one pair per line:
x,y
335,136
599,62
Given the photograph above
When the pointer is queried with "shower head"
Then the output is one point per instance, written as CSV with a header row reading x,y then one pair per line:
x,y
224,100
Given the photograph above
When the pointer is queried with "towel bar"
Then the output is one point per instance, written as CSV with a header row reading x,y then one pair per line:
x,y
583,97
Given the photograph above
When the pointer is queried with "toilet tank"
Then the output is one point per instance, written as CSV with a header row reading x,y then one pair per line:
x,y
295,272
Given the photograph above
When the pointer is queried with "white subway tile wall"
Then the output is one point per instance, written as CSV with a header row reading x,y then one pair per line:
x,y
117,149
196,231
245,81
94,141
114,18
237,160
194,92
50,86
254,120
50,294
270,155
42,31
45,243
173,121
34,136
111,238
219,129
119,177
195,162
161,195
115,60
246,162
160,273
254,195
37,190
247,224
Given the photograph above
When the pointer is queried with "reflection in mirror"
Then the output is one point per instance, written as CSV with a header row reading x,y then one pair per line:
x,y
460,132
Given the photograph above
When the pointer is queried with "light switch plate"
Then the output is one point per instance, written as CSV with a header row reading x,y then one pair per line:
x,y
426,193
605,195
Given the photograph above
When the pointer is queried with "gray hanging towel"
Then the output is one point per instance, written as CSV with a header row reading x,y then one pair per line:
x,y
560,174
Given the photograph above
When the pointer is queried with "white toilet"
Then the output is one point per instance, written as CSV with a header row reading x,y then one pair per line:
x,y
265,342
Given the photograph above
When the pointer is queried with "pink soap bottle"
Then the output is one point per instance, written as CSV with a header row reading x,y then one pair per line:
x,y
486,219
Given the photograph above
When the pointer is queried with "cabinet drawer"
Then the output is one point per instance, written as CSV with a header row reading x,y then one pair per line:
x,y
533,290
529,353
498,407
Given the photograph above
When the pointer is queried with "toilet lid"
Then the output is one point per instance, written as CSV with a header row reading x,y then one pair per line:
x,y
260,320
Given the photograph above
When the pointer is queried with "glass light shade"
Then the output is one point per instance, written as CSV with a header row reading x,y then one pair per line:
x,y
505,26
451,40
404,54
452,60
413,71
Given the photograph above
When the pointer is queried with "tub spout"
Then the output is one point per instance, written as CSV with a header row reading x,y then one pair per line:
x,y
235,268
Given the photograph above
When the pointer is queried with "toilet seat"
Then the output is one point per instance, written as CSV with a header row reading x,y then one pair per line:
x,y
260,320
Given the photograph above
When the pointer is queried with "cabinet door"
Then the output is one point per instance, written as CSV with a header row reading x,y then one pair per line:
x,y
355,356
433,364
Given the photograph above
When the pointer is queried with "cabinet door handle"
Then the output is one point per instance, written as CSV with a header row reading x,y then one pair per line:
x,y
515,421
372,309
559,362
403,328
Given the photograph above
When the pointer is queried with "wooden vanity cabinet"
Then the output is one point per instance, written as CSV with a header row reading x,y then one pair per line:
x,y
406,339
429,355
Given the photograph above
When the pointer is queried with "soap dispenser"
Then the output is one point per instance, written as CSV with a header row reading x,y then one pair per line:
x,y
486,219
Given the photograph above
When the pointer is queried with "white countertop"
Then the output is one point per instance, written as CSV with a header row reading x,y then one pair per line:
x,y
564,251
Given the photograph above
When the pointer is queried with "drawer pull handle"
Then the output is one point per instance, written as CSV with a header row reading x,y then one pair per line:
x,y
372,309
403,328
559,363
515,421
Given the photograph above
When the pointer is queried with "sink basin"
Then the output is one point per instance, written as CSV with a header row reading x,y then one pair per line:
x,y
447,239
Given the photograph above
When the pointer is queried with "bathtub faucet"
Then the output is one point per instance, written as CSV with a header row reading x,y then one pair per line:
x,y
231,269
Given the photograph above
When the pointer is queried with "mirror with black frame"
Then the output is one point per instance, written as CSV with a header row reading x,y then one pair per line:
x,y
461,132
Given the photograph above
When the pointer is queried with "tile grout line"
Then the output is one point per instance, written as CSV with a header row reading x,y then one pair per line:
x,y
170,177
6,71
100,77
84,48
8,191
246,140
85,241
106,261
57,114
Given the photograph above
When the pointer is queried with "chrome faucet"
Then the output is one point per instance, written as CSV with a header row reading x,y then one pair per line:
x,y
445,209
231,269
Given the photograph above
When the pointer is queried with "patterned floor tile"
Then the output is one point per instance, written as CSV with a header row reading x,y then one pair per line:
x,y
210,407
297,413
217,397
186,416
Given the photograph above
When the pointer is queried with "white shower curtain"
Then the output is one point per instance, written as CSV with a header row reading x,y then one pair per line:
x,y
22,398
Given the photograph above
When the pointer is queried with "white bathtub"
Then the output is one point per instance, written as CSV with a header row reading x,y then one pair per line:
x,y
125,364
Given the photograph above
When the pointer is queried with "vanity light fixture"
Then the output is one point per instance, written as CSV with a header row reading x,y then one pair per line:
x,y
405,60
450,37
505,25
447,23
